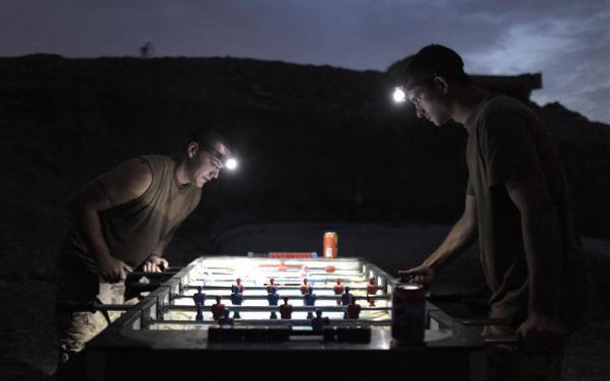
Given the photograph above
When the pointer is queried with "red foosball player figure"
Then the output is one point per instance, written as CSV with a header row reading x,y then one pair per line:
x,y
305,286
218,309
286,309
371,289
239,286
339,288
353,309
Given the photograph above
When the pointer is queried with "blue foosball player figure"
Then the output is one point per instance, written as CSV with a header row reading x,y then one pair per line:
x,y
319,322
225,319
199,297
346,297
271,287
236,298
199,316
273,298
309,300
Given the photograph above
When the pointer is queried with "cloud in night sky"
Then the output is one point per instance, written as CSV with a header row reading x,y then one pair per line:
x,y
568,41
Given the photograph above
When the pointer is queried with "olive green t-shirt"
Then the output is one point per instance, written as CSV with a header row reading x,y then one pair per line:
x,y
507,142
134,229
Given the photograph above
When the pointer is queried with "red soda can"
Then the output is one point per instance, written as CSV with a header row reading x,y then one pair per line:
x,y
408,313
331,243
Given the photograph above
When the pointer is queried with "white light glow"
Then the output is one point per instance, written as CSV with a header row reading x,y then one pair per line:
x,y
399,95
231,164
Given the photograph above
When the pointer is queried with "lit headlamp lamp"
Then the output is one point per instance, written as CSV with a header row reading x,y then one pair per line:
x,y
229,163
399,95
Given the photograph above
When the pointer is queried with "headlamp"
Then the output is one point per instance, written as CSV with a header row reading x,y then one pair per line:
x,y
399,95
229,163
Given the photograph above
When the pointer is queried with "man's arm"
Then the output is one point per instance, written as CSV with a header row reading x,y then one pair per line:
x,y
543,330
461,237
125,183
542,242
155,262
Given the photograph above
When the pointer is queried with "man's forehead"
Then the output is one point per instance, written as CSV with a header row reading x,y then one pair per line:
x,y
219,151
413,92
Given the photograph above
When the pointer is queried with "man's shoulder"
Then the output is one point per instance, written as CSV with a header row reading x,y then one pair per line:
x,y
134,174
502,110
156,159
502,105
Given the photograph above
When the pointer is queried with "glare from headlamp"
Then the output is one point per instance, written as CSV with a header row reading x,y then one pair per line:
x,y
399,95
231,164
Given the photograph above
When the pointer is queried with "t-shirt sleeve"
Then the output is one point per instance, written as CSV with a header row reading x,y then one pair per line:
x,y
509,150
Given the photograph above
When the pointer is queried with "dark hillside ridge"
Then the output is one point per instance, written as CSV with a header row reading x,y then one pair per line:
x,y
316,143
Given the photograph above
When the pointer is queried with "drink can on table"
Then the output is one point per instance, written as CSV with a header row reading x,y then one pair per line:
x,y
331,245
408,313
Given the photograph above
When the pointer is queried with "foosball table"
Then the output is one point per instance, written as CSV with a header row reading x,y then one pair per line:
x,y
227,317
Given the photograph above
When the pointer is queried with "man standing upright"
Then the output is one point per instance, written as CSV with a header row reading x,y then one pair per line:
x,y
516,205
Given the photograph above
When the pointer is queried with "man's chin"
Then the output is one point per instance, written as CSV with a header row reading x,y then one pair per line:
x,y
439,123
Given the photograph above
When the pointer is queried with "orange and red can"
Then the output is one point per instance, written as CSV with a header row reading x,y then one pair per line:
x,y
331,245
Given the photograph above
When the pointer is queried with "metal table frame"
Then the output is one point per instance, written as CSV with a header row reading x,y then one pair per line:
x,y
128,348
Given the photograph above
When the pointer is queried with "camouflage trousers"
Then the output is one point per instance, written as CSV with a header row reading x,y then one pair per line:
x,y
77,328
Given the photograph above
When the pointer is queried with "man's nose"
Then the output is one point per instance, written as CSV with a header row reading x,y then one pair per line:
x,y
419,113
215,173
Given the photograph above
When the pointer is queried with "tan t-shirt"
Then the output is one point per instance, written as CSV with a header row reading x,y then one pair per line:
x,y
508,142
134,229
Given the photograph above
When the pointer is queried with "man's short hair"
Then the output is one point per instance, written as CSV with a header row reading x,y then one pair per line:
x,y
208,140
207,136
431,61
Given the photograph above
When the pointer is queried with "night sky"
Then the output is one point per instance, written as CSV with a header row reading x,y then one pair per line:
x,y
568,41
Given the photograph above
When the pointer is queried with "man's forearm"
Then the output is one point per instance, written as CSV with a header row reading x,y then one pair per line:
x,y
543,249
460,238
159,250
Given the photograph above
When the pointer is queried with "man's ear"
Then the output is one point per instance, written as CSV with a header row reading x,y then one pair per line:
x,y
441,84
191,149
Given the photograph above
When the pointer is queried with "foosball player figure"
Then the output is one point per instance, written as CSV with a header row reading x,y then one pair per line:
x,y
199,316
236,299
239,286
199,297
218,309
286,309
305,286
273,298
346,297
339,288
319,322
353,309
225,319
371,289
271,287
309,300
